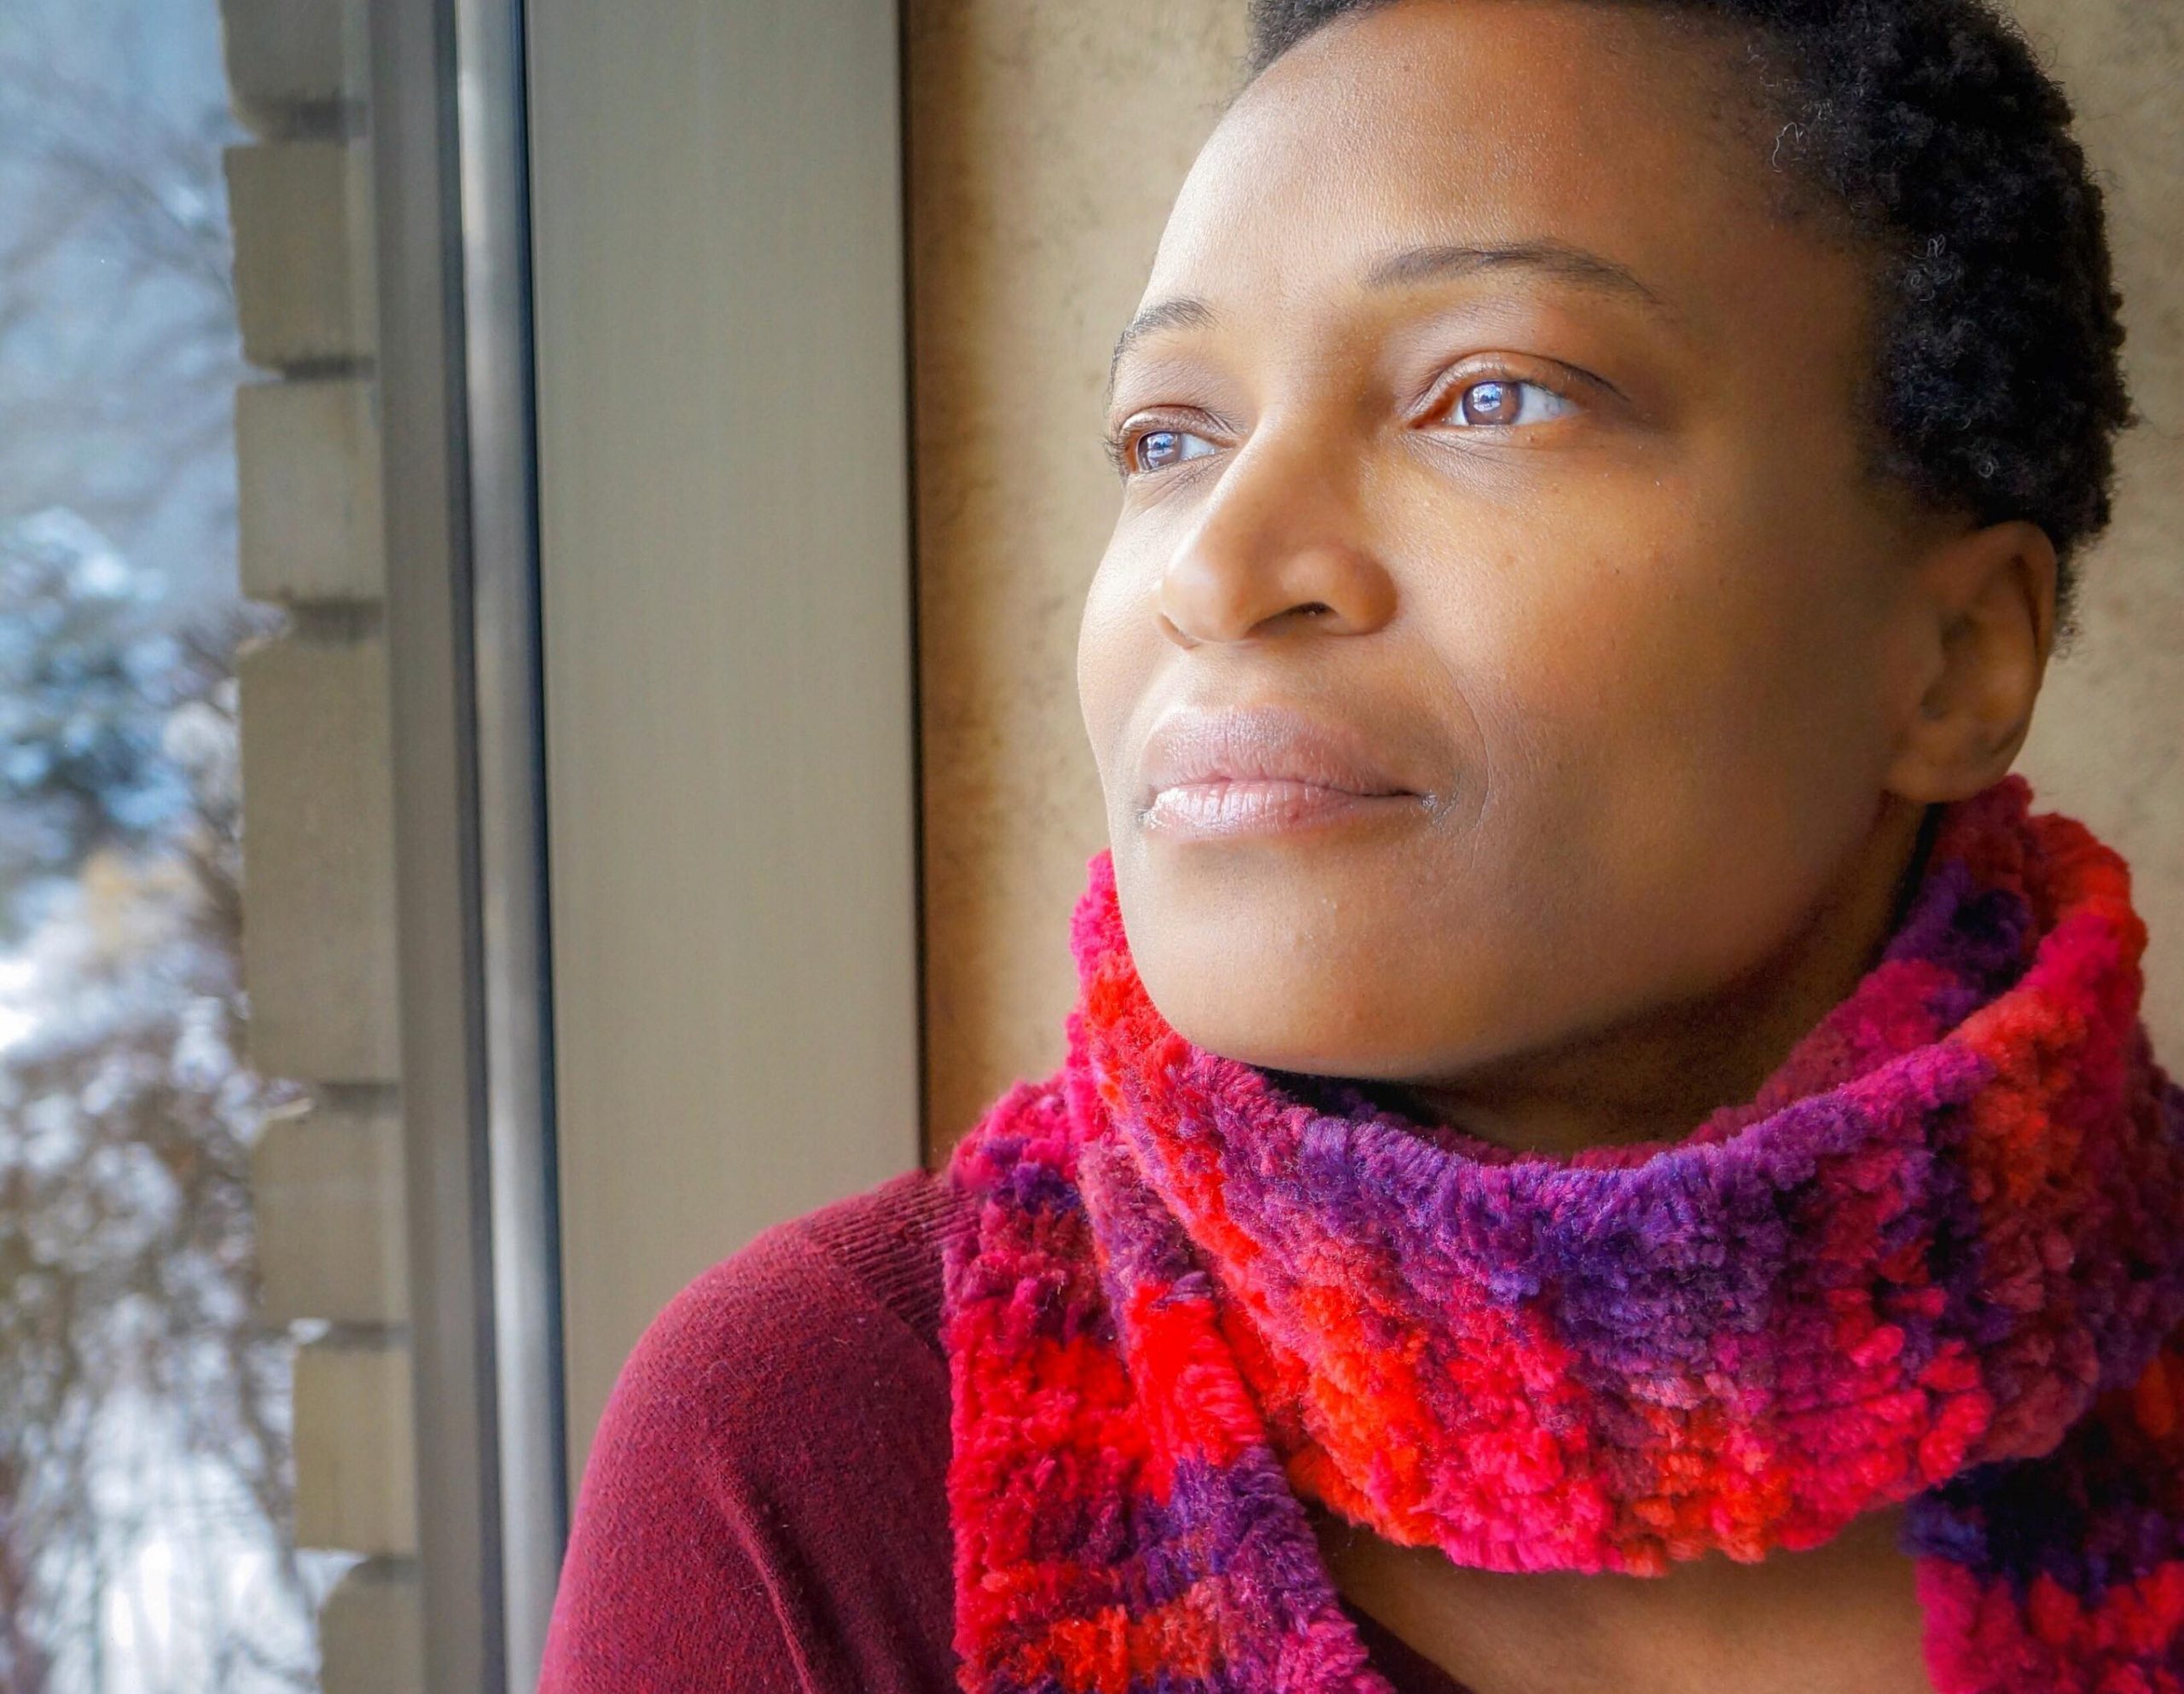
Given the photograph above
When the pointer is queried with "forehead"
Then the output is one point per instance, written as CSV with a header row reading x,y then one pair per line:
x,y
1612,130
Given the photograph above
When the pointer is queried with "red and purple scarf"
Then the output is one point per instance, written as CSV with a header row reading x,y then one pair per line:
x,y
1939,1258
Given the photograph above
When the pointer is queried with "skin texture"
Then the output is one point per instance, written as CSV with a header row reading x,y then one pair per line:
x,y
1674,678
1840,1619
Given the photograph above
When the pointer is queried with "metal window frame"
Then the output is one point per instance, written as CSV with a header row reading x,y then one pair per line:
x,y
452,85
456,396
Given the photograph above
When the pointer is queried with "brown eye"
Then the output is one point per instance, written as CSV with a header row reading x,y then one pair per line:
x,y
1157,448
1499,403
1490,403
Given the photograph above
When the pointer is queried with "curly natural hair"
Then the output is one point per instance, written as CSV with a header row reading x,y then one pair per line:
x,y
1930,126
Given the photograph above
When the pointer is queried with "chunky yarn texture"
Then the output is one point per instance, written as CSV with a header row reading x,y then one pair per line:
x,y
1939,1258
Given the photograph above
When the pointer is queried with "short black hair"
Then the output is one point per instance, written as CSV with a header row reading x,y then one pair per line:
x,y
1999,385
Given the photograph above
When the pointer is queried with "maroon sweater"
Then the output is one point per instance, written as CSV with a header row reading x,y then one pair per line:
x,y
765,1507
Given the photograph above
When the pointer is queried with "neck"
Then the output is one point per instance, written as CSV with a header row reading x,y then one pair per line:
x,y
1844,1614
1656,1077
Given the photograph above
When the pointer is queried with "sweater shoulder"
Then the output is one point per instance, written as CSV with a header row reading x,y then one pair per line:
x,y
765,1501
784,1303
792,1326
886,1242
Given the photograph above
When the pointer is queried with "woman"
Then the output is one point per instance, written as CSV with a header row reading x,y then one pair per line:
x,y
1603,1146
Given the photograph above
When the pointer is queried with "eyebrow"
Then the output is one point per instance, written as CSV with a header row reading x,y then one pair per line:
x,y
1430,261
1184,311
1547,258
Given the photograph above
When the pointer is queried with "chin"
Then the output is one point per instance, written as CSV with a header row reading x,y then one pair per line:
x,y
1346,953
1343,1010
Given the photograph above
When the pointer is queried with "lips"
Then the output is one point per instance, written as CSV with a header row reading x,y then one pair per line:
x,y
1262,768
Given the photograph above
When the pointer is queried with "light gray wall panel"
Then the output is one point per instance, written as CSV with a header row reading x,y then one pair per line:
x,y
726,601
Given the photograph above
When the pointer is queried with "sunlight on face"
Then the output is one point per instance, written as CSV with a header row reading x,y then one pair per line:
x,y
1484,417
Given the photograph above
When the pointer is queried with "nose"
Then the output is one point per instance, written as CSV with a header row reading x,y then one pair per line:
x,y
1280,544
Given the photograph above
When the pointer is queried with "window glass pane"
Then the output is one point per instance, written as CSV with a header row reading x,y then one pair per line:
x,y
204,1464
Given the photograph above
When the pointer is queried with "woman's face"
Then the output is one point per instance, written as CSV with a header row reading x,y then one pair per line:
x,y
1486,413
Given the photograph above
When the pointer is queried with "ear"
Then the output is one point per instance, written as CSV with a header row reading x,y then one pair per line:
x,y
1982,626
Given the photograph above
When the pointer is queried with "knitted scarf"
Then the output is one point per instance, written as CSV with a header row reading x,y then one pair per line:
x,y
1937,1259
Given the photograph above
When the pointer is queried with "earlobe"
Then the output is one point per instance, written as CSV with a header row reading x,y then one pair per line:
x,y
1986,608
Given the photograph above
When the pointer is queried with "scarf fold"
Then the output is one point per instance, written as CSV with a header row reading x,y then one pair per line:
x,y
1937,1259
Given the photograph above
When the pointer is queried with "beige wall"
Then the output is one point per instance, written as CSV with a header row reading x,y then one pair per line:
x,y
1046,142
2109,741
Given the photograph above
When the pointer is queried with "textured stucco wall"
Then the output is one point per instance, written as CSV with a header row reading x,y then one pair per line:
x,y
1046,142
2109,741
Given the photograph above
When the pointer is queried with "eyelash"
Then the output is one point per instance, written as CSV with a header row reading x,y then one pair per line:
x,y
1121,443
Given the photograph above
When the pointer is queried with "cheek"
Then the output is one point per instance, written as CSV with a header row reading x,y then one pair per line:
x,y
1116,646
1677,737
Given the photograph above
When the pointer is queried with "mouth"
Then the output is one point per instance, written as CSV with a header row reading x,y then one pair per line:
x,y
1264,770
1261,808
